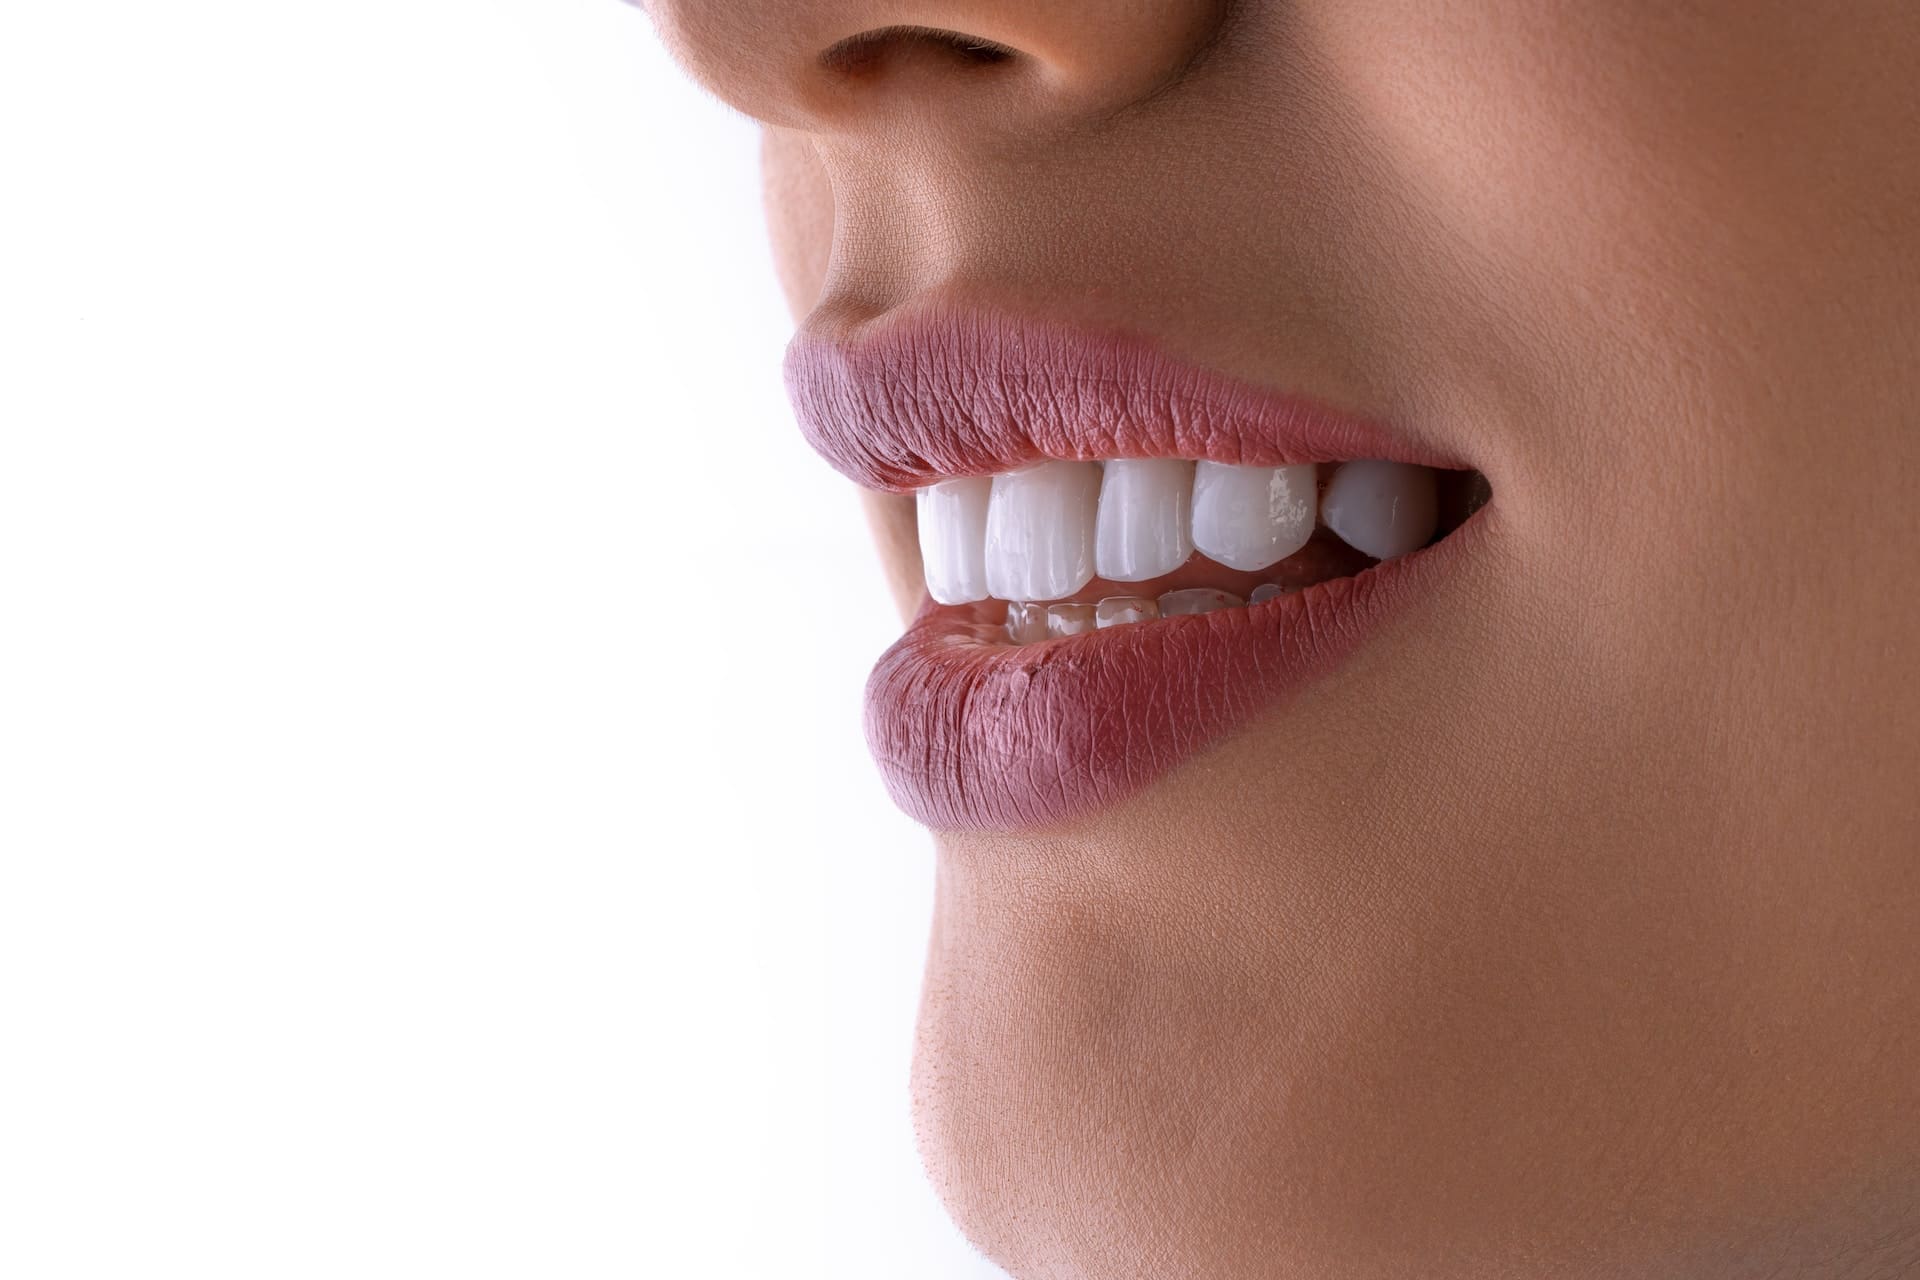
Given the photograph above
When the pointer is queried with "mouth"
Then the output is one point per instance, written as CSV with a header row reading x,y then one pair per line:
x,y
1126,559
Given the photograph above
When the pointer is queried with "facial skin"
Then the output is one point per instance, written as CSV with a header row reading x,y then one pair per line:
x,y
1571,927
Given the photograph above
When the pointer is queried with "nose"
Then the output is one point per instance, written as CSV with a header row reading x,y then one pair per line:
x,y
854,65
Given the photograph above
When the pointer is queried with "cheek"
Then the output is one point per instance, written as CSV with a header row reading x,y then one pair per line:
x,y
1636,214
1656,243
799,206
1557,196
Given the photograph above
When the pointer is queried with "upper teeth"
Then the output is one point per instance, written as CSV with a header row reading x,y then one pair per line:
x,y
1145,528
1251,517
1043,532
1040,522
1382,508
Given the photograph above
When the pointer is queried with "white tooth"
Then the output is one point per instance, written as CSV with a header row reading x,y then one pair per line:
x,y
953,538
1143,526
1265,592
1251,517
1197,600
1385,509
1116,611
1026,623
1069,619
1040,531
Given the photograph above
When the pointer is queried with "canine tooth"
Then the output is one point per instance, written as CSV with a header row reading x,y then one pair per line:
x,y
1039,543
1197,600
1115,611
953,538
1265,592
1026,623
1385,509
1069,619
1252,517
1143,529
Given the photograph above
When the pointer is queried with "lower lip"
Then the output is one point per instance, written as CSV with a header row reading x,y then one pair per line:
x,y
974,734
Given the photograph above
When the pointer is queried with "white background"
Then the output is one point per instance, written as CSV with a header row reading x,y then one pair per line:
x,y
435,837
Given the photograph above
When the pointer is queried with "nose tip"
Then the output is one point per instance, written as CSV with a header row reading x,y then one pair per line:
x,y
841,65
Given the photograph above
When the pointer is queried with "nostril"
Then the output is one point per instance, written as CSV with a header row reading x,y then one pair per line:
x,y
968,71
873,51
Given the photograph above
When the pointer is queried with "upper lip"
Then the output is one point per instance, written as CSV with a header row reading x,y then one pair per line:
x,y
940,392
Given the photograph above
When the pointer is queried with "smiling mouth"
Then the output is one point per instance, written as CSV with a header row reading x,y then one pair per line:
x,y
1074,547
1127,558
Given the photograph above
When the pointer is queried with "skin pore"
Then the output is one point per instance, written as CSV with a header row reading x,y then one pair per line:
x,y
1569,927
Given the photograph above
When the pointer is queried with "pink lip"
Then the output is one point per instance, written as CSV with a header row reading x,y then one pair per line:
x,y
942,393
971,734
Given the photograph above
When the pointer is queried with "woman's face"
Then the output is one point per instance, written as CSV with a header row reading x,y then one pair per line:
x,y
1560,917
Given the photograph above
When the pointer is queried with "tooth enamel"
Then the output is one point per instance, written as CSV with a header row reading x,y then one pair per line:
x,y
1197,600
1142,529
953,538
1116,611
1039,540
1252,517
1026,623
1069,619
1385,509
1265,592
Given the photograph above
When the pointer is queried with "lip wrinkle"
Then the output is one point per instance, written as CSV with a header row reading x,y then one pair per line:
x,y
985,737
935,394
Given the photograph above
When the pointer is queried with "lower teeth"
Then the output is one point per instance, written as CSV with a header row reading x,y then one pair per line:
x,y
1198,600
1029,622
